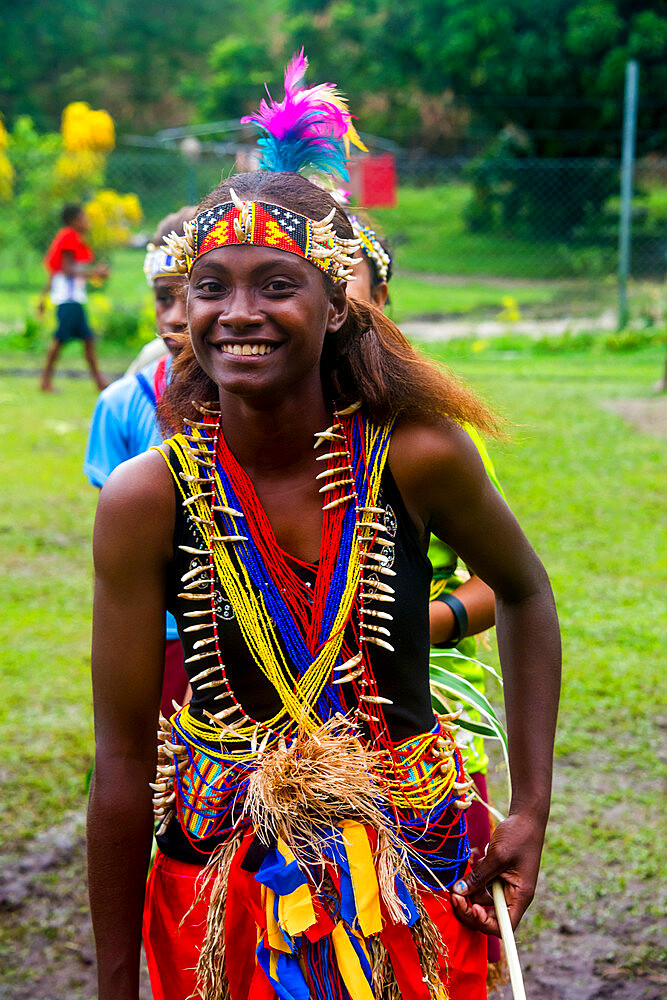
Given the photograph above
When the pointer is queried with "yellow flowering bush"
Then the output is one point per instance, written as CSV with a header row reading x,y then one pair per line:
x,y
510,312
85,130
74,170
111,216
6,178
6,169
52,169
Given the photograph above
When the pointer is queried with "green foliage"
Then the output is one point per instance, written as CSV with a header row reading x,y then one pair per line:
x,y
587,261
417,71
239,66
34,212
429,233
124,57
31,334
420,72
122,326
509,346
544,199
633,340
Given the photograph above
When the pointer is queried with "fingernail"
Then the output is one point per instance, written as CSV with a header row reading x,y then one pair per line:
x,y
460,886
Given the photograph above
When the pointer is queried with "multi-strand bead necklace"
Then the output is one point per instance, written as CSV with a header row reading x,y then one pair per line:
x,y
312,643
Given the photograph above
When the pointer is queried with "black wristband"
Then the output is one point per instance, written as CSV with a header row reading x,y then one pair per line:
x,y
460,620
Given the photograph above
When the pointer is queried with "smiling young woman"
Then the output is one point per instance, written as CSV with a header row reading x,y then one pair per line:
x,y
311,808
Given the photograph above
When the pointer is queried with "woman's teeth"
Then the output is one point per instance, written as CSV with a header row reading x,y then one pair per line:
x,y
247,349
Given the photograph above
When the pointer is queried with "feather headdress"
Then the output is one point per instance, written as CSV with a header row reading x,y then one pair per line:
x,y
310,128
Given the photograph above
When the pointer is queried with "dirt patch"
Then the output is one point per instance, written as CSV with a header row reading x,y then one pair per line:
x,y
646,415
47,951
581,964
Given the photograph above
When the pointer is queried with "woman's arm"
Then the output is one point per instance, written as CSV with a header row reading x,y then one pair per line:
x,y
132,546
446,490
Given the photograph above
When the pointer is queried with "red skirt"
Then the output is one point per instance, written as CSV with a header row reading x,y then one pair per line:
x,y
172,950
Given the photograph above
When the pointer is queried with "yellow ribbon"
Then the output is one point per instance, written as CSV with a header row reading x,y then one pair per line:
x,y
364,878
349,965
295,910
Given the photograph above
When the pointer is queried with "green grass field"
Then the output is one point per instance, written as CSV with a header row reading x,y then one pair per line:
x,y
585,485
589,491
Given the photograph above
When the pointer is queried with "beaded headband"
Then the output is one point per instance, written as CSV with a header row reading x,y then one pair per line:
x,y
263,224
372,247
157,264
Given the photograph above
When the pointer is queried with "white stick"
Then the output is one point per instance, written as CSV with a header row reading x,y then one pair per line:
x,y
507,934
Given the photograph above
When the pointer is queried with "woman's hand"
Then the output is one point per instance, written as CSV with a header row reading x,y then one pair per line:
x,y
513,856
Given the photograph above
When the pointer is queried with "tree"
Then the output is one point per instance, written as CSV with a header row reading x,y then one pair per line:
x,y
125,56
422,72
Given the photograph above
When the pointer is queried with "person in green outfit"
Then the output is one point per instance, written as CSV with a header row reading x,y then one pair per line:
x,y
462,605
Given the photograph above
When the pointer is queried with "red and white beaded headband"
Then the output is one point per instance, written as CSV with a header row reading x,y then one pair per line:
x,y
261,223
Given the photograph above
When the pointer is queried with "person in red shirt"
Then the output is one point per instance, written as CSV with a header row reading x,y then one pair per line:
x,y
69,261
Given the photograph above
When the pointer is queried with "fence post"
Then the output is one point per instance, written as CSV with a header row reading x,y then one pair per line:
x,y
627,171
191,150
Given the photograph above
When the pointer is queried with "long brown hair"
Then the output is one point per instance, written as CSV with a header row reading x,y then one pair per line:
x,y
367,359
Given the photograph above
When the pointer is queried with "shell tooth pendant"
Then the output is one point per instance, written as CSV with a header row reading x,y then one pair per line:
x,y
351,663
335,503
349,677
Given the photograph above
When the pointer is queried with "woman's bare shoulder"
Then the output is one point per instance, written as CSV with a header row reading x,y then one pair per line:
x,y
436,466
419,449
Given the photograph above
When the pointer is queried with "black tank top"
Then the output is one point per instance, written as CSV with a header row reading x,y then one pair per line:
x,y
402,675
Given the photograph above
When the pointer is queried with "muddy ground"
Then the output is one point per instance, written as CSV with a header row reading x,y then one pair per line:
x,y
649,416
43,907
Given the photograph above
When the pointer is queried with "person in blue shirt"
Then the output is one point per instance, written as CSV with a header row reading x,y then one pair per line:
x,y
124,422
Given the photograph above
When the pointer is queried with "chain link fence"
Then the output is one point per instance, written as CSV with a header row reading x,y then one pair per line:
x,y
533,218
544,220
549,218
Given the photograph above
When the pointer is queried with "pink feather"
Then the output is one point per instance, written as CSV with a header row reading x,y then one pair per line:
x,y
317,111
295,71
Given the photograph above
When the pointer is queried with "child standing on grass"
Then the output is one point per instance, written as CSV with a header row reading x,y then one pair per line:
x,y
69,261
